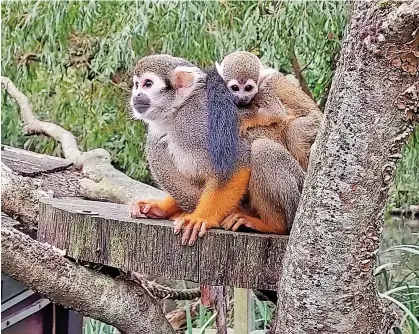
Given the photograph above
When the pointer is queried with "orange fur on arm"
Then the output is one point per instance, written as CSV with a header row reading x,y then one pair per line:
x,y
261,226
169,205
217,202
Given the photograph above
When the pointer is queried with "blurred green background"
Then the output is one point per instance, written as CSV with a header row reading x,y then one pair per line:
x,y
73,61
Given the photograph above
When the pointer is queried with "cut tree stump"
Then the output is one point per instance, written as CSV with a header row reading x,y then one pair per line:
x,y
104,233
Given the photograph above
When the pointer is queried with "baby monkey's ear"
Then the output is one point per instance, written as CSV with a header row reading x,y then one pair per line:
x,y
184,79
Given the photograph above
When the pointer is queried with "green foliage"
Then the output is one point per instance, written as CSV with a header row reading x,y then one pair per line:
x,y
91,326
69,57
406,186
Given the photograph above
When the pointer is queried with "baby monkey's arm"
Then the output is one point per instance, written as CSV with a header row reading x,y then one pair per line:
x,y
262,118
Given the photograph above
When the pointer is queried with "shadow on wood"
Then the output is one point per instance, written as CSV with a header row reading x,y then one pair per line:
x,y
104,233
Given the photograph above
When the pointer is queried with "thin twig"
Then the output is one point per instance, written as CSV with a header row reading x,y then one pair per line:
x,y
297,70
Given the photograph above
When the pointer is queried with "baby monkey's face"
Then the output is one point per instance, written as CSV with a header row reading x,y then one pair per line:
x,y
243,90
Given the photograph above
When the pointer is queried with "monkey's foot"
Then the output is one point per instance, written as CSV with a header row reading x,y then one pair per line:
x,y
193,226
158,209
235,220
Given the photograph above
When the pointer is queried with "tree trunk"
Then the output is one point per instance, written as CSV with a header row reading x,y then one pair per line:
x,y
327,284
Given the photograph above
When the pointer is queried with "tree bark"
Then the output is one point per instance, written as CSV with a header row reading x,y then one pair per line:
x,y
327,284
118,302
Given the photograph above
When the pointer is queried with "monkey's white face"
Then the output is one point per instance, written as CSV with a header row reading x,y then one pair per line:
x,y
148,95
243,90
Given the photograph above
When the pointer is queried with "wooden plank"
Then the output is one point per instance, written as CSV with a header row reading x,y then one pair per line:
x,y
28,163
105,233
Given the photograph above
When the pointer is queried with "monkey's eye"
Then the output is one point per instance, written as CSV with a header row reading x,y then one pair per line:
x,y
235,88
148,83
136,85
248,88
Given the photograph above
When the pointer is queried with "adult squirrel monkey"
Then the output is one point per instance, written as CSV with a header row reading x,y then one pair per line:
x,y
206,182
266,98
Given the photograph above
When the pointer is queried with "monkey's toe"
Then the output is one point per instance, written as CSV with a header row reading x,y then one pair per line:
x,y
192,228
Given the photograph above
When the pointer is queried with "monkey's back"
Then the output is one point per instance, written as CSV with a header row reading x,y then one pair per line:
x,y
277,90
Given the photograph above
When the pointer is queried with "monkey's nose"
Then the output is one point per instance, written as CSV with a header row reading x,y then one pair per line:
x,y
141,103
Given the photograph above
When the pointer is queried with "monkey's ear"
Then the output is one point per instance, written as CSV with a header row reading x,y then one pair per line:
x,y
265,72
185,78
219,69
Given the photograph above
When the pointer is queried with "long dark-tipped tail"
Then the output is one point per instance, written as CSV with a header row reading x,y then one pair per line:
x,y
224,125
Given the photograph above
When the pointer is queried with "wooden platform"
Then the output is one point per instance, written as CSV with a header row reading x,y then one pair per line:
x,y
104,233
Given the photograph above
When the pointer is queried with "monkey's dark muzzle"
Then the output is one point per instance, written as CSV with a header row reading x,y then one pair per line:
x,y
141,103
242,101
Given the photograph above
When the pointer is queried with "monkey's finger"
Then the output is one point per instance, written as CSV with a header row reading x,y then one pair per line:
x,y
228,222
202,230
186,233
145,208
178,225
136,214
195,232
156,212
237,224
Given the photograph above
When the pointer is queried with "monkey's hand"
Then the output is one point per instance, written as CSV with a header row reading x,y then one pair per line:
x,y
258,120
235,220
193,226
158,209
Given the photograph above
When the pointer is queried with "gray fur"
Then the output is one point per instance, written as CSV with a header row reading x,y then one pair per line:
x,y
281,178
185,192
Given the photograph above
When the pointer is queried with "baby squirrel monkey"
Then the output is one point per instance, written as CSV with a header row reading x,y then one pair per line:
x,y
206,181
268,98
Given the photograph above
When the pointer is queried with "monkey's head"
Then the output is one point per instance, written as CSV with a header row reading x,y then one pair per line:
x,y
161,83
242,71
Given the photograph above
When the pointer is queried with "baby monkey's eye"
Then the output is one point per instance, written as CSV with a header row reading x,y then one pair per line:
x,y
248,88
148,83
235,88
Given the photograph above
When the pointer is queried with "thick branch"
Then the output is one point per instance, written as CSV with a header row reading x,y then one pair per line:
x,y
118,302
20,197
327,283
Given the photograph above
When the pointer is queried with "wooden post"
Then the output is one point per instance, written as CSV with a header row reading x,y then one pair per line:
x,y
242,311
217,297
